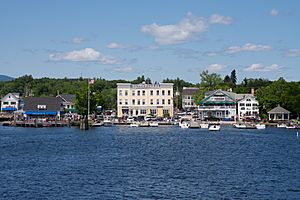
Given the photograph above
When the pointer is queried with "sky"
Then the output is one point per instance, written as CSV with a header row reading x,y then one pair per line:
x,y
159,39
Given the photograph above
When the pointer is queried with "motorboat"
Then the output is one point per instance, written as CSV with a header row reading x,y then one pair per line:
x,y
134,124
184,125
214,128
144,124
97,124
107,122
204,125
281,126
240,126
153,124
260,126
290,127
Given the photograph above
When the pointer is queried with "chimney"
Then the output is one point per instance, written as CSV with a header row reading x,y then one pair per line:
x,y
253,91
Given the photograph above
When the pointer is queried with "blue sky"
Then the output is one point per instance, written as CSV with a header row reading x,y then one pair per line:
x,y
158,39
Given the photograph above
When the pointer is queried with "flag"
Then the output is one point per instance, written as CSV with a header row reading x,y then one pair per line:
x,y
92,81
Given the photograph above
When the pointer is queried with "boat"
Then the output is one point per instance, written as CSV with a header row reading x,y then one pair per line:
x,y
194,125
184,125
240,126
107,122
290,127
153,124
260,126
97,124
144,124
134,124
214,128
204,125
281,126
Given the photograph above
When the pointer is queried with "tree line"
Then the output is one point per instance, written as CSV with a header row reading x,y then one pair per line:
x,y
104,92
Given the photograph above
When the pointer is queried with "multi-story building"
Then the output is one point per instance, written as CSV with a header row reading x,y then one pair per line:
x,y
10,102
228,105
145,99
247,106
187,98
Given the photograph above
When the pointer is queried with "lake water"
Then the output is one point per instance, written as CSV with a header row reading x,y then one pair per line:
x,y
149,163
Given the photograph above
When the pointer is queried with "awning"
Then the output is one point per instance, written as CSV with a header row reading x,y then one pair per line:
x,y
218,102
41,113
9,109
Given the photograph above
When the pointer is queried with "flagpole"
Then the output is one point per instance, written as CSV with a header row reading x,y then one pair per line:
x,y
88,99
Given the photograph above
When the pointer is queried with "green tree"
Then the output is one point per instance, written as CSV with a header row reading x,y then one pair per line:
x,y
233,78
210,81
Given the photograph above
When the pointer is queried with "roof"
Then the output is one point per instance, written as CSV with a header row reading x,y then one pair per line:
x,y
52,103
67,97
189,90
15,96
229,97
279,110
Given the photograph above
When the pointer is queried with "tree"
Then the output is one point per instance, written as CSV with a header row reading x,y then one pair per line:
x,y
210,81
233,78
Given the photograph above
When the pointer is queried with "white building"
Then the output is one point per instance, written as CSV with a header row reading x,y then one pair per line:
x,y
187,98
145,99
10,102
247,106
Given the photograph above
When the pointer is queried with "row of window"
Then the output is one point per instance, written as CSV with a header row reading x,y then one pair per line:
x,y
11,103
143,102
143,92
248,104
152,112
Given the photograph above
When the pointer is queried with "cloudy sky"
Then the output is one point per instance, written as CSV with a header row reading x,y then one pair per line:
x,y
160,39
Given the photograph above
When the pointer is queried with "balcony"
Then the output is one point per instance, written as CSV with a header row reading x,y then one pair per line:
x,y
217,107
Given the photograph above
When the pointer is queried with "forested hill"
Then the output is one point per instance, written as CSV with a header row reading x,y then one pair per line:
x,y
6,78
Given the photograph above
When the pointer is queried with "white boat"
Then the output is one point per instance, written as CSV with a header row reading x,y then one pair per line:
x,y
134,124
214,128
107,122
97,124
203,125
153,124
290,127
260,126
184,125
281,126
240,126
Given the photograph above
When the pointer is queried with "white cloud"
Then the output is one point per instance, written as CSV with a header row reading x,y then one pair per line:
x,y
261,68
274,12
176,33
216,67
114,45
78,40
84,55
293,53
123,69
219,19
211,54
247,48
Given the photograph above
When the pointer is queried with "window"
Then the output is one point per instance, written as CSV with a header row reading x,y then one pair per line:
x,y
165,111
143,101
169,101
242,104
153,111
126,101
126,92
169,92
143,112
144,92
248,104
13,103
138,93
133,92
139,102
120,101
120,92
162,92
151,92
163,102
248,100
157,101
255,104
5,103
242,108
41,107
133,101
151,101
157,92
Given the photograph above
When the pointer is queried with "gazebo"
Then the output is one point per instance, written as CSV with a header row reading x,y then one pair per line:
x,y
279,114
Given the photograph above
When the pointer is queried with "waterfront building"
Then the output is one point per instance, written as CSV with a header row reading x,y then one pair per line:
x,y
247,106
188,102
279,114
68,101
43,107
10,102
145,99
218,104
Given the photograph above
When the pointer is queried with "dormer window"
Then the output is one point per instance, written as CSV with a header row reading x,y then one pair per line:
x,y
41,107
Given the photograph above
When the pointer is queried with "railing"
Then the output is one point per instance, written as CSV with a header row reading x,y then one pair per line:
x,y
216,107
